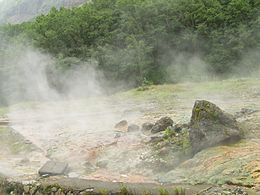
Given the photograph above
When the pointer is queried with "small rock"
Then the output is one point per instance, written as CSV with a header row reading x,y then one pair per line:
x,y
28,142
122,125
162,124
147,126
53,168
133,127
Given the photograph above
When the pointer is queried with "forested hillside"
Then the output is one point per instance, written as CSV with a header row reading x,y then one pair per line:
x,y
151,40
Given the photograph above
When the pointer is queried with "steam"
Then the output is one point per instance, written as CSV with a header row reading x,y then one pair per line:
x,y
29,74
188,68
57,110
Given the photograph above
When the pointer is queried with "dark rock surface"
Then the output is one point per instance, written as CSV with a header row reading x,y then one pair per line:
x,y
147,126
53,168
162,124
210,126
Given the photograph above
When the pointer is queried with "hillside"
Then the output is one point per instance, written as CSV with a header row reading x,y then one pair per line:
x,y
155,41
14,11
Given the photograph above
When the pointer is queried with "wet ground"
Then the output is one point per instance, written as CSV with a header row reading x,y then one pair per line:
x,y
82,133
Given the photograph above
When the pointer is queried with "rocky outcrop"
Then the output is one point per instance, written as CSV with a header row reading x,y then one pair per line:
x,y
210,126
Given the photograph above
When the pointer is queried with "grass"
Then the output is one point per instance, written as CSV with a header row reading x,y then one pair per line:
x,y
3,111
185,89
13,142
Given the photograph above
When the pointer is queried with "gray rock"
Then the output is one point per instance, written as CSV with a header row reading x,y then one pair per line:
x,y
53,168
147,126
162,124
133,127
210,126
121,124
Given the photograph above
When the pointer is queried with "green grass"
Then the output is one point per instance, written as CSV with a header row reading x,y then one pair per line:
x,y
13,142
3,111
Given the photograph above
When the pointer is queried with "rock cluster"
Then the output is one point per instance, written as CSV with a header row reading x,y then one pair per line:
x,y
173,143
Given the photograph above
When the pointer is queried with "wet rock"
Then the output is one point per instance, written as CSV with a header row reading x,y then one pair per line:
x,y
53,168
122,125
210,126
162,124
133,127
147,126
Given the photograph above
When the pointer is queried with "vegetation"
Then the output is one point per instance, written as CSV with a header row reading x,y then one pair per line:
x,y
143,40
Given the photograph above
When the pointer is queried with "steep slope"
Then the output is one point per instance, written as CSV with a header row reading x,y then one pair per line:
x,y
14,11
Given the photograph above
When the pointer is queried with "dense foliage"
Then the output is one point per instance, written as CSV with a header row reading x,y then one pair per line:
x,y
142,40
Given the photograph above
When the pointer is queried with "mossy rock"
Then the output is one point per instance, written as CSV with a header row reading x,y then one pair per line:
x,y
210,126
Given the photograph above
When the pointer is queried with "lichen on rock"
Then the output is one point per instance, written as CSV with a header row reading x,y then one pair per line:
x,y
210,126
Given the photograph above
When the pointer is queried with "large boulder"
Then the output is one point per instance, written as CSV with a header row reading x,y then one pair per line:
x,y
162,124
210,126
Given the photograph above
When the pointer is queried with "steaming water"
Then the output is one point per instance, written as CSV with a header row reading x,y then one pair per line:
x,y
82,134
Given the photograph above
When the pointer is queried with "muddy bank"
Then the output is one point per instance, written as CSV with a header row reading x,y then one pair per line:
x,y
64,186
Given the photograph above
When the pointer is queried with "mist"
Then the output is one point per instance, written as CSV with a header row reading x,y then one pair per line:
x,y
65,113
59,100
